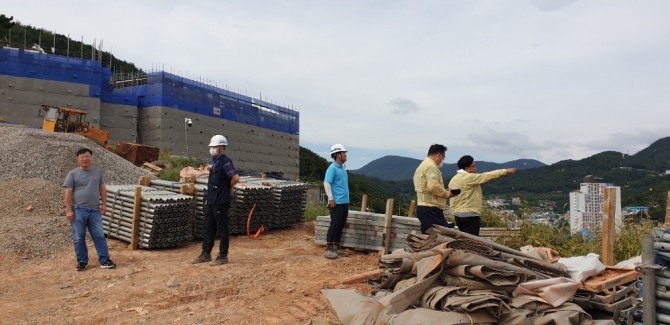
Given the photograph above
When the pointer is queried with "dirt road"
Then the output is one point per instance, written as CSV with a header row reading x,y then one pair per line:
x,y
273,279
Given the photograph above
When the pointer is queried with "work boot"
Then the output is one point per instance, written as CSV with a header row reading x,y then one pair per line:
x,y
203,257
220,260
331,252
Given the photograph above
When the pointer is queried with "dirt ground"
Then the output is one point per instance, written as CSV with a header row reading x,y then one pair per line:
x,y
273,279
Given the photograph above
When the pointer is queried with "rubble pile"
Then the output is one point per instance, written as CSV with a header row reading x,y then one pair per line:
x,y
450,277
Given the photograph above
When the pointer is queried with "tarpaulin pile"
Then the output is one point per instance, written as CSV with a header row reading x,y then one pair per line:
x,y
450,277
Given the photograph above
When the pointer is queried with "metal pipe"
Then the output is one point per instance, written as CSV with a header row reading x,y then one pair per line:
x,y
648,281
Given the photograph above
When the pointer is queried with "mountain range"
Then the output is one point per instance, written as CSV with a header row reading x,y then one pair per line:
x,y
396,168
643,177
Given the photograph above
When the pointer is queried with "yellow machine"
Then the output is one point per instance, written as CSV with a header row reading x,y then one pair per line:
x,y
72,120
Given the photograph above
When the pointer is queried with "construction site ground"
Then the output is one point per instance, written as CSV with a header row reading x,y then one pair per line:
x,y
273,279
276,278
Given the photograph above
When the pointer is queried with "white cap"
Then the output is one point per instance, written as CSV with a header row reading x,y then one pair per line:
x,y
337,148
218,140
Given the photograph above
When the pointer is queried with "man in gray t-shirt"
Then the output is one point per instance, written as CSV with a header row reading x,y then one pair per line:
x,y
84,191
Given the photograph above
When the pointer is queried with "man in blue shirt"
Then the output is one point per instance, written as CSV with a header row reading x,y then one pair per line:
x,y
336,185
222,179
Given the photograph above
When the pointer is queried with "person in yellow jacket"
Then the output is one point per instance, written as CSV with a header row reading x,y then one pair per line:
x,y
430,192
467,207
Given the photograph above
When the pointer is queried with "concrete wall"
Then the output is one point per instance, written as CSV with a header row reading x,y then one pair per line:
x,y
21,99
251,148
120,121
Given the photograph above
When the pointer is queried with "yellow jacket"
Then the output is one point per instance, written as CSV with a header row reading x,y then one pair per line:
x,y
470,184
429,185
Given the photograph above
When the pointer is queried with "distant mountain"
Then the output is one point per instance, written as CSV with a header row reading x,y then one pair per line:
x,y
396,168
642,178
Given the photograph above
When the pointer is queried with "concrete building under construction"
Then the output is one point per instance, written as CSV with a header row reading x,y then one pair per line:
x,y
158,109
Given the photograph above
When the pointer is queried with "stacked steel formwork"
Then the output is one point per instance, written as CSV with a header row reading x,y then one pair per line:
x,y
165,218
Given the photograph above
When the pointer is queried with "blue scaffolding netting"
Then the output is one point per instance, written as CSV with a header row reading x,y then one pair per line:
x,y
162,89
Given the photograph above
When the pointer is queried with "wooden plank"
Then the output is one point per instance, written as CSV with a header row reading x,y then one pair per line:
x,y
362,277
136,218
187,189
614,307
145,181
387,227
621,292
364,203
609,279
412,206
608,226
667,212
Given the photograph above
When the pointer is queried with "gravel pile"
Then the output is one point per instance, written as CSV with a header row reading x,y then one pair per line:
x,y
33,221
32,153
34,165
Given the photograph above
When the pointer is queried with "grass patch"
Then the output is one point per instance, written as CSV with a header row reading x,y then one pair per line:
x,y
173,165
313,210
627,242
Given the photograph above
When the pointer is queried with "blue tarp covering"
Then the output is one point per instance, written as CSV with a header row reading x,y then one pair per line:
x,y
163,89
20,63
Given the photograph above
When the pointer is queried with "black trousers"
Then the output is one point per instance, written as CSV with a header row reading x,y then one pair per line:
x,y
216,220
429,216
338,218
469,225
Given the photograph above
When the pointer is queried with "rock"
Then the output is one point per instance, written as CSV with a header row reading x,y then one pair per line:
x,y
173,283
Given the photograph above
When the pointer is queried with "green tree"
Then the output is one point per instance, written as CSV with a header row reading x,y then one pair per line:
x,y
6,22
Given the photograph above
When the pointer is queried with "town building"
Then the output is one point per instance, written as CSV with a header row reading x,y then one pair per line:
x,y
587,205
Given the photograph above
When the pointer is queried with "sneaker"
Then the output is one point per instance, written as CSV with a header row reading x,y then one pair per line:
x,y
342,252
203,257
108,264
81,266
220,260
331,254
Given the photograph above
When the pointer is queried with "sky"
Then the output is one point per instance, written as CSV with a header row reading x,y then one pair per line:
x,y
499,80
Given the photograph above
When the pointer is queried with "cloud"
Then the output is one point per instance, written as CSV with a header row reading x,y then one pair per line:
x,y
404,106
552,5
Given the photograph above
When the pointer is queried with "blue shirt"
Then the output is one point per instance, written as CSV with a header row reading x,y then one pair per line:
x,y
337,176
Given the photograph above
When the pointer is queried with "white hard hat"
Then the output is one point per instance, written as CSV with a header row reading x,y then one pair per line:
x,y
218,140
337,148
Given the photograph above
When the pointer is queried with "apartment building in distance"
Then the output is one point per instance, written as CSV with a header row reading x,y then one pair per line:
x,y
587,205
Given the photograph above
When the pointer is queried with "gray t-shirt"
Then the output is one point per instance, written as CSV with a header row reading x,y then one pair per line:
x,y
86,187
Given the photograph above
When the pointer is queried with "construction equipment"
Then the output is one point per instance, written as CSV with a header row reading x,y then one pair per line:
x,y
72,120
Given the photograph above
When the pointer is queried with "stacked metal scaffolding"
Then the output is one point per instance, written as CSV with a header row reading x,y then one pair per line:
x,y
165,218
289,200
199,197
656,278
276,203
245,197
